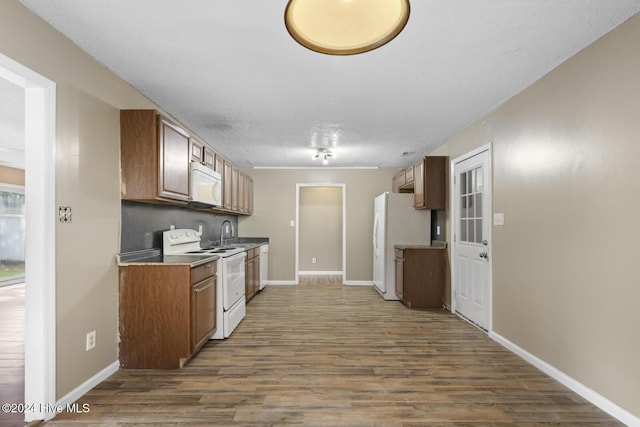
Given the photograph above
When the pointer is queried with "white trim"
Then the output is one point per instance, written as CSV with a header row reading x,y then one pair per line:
x,y
358,283
316,273
281,283
40,302
592,396
344,223
453,209
11,188
83,388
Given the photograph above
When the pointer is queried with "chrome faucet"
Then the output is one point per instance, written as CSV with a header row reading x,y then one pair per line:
x,y
226,221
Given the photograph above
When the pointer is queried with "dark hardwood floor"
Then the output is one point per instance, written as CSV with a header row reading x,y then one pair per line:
x,y
322,354
11,351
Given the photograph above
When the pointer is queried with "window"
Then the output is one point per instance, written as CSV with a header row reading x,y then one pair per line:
x,y
12,233
471,187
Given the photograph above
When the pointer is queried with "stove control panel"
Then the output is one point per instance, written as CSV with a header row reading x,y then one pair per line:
x,y
180,240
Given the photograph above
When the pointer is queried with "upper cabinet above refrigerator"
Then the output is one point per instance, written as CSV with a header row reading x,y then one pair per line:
x,y
426,179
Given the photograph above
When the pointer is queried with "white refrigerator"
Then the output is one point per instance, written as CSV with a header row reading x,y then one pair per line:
x,y
395,222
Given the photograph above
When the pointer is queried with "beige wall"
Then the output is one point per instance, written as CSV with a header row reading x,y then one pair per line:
x,y
11,176
320,229
565,174
275,206
87,179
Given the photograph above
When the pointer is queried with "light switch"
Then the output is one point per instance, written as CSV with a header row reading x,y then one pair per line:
x,y
64,213
498,219
292,223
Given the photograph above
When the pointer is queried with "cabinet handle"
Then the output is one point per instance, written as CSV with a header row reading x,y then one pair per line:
x,y
197,289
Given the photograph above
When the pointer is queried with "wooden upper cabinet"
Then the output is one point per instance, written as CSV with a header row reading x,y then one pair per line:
x,y
408,175
430,183
202,153
174,161
209,157
154,157
197,150
418,185
218,164
235,187
227,183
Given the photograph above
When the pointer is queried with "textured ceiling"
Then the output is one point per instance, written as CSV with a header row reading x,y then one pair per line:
x,y
230,72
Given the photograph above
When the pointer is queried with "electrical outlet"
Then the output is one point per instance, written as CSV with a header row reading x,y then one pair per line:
x,y
314,260
91,340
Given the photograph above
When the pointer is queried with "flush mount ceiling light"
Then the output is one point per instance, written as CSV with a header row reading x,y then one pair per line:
x,y
345,27
323,153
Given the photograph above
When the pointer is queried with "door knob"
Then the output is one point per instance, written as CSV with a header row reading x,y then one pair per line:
x,y
484,255
485,242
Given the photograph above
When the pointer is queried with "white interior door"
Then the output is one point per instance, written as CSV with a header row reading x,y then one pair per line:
x,y
472,238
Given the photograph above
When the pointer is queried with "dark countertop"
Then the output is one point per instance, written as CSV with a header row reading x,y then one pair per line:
x,y
432,246
154,256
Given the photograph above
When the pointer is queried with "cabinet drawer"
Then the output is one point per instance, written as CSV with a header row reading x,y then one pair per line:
x,y
201,272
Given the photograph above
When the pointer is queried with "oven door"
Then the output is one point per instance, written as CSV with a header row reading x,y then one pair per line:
x,y
233,279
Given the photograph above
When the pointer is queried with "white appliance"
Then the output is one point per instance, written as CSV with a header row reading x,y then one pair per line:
x,y
395,222
230,292
205,185
264,265
231,301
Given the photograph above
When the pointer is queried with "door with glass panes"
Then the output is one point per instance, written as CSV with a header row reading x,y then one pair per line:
x,y
472,207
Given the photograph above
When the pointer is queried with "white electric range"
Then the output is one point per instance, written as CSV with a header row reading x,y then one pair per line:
x,y
230,292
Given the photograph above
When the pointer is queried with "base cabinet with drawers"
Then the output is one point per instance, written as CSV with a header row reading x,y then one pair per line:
x,y
420,275
167,313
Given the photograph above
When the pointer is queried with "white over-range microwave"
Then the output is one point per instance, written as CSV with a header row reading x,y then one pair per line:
x,y
206,185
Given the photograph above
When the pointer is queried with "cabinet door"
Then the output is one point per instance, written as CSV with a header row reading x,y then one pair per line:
x,y
234,188
197,149
256,272
400,273
227,182
174,162
203,312
249,273
248,193
408,175
218,164
418,185
209,157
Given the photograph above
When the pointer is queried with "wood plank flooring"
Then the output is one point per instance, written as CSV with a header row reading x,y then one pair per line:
x,y
11,351
323,354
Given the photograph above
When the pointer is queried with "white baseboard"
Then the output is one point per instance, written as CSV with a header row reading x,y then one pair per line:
x,y
324,273
597,399
358,283
83,388
281,283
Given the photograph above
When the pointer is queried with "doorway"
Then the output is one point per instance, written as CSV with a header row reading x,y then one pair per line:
x,y
39,195
471,206
320,230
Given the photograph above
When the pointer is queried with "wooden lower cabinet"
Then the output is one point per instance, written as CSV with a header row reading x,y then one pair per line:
x,y
252,273
167,313
420,276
